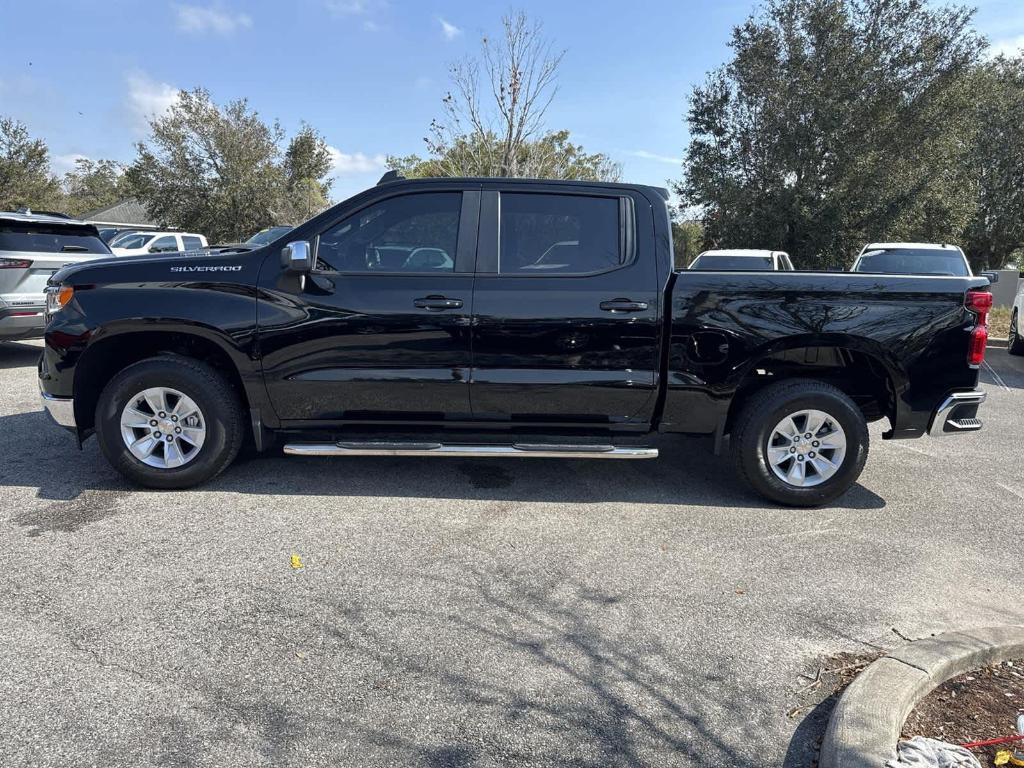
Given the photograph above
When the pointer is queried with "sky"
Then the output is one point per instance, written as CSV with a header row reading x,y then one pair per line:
x,y
368,74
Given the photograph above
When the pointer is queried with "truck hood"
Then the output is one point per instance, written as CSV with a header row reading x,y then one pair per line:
x,y
153,267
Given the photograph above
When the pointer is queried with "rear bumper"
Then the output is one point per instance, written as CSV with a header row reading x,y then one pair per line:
x,y
61,409
22,323
957,414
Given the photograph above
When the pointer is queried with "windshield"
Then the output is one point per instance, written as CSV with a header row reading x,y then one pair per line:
x,y
913,261
133,240
725,263
269,235
42,238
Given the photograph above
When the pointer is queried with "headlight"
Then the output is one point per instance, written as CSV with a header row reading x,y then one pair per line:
x,y
57,297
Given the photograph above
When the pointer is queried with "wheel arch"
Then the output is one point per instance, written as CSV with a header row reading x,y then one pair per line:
x,y
115,350
861,368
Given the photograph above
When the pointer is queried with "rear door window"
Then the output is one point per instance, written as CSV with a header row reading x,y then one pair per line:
x,y
34,238
192,243
552,234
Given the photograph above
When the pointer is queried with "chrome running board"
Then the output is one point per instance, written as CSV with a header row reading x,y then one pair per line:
x,y
522,450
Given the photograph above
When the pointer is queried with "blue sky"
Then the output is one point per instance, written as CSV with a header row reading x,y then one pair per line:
x,y
369,74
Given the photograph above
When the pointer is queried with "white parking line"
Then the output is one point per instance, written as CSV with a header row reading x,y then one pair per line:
x,y
996,376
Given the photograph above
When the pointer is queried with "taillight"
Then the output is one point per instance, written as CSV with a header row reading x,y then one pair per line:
x,y
15,263
980,303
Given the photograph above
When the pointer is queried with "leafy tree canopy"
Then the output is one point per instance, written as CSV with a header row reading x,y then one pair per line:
x,y
835,123
221,170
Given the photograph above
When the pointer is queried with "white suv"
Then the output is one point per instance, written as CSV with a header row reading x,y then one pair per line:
x,y
912,259
1016,345
139,243
33,247
742,260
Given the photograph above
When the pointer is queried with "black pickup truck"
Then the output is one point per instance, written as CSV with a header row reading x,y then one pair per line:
x,y
498,317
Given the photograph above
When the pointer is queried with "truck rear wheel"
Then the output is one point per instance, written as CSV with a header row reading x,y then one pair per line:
x,y
800,442
169,422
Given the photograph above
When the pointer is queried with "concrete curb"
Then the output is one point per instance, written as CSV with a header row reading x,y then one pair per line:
x,y
866,723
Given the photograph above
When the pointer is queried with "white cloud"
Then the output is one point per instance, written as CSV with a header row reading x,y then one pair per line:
x,y
199,19
344,164
449,30
1008,47
643,154
350,7
148,98
61,164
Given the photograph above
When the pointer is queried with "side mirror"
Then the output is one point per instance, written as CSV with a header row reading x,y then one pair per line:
x,y
297,256
993,277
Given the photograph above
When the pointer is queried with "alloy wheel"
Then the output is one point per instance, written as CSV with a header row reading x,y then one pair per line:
x,y
806,448
163,427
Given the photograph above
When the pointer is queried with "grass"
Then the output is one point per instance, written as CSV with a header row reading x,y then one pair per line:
x,y
999,322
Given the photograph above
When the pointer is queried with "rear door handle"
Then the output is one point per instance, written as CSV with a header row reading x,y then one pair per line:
x,y
623,305
437,302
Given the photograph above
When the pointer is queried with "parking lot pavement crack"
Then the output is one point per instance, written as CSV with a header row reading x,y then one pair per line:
x,y
109,664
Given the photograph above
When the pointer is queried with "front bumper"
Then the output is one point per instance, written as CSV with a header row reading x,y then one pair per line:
x,y
957,414
61,409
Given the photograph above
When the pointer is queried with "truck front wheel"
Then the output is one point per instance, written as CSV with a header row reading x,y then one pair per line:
x,y
800,442
169,422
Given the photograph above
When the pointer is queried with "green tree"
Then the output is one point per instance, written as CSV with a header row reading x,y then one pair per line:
x,y
220,170
836,122
687,241
498,128
997,161
307,161
25,177
92,184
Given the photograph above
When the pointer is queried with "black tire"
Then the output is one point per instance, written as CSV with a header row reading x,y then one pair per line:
x,y
765,409
221,411
1016,344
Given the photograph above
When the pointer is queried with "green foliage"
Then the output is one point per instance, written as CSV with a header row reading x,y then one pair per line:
x,y
687,241
997,162
220,170
91,185
553,156
25,177
837,122
307,161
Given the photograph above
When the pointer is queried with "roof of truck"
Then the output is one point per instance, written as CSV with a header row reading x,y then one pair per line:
x,y
913,246
468,180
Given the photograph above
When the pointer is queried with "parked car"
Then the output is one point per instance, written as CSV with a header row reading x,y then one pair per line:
x,y
742,259
345,342
139,243
1016,343
912,259
33,247
263,237
109,234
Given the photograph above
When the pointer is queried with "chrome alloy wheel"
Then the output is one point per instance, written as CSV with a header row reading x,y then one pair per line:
x,y
806,448
163,427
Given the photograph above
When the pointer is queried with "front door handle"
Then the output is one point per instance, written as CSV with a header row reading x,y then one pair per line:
x,y
437,302
623,305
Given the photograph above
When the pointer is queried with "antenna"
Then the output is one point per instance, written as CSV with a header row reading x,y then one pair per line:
x,y
390,176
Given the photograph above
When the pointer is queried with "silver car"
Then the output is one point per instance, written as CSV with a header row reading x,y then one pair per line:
x,y
33,247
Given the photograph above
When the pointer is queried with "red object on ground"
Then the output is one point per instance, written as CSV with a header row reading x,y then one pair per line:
x,y
993,742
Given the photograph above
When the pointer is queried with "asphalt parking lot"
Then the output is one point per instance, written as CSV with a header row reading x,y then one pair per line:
x,y
472,613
